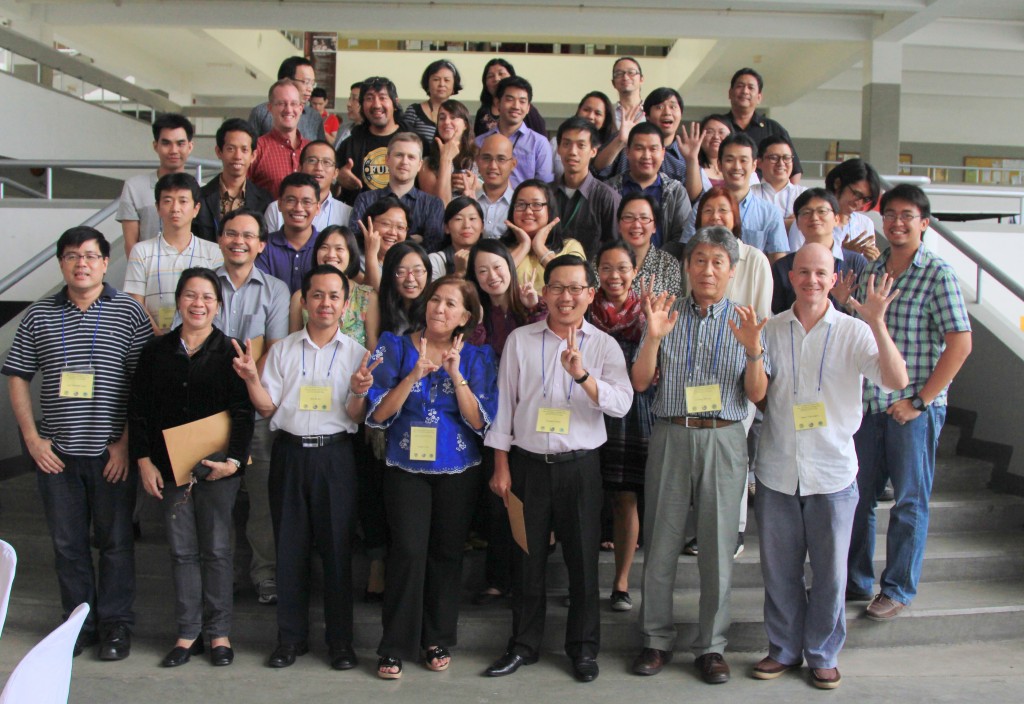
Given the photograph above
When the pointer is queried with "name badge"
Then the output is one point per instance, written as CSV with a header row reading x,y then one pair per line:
x,y
553,420
165,317
314,398
77,383
423,443
808,416
703,399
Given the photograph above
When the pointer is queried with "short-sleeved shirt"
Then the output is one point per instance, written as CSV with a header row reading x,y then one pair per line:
x,y
259,307
532,151
929,307
138,203
783,199
369,154
283,261
154,267
55,335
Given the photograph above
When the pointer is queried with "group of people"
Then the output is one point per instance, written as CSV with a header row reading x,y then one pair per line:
x,y
374,324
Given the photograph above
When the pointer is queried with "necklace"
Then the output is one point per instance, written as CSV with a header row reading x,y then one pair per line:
x,y
191,350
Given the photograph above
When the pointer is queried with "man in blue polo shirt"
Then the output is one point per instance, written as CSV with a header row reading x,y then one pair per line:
x,y
85,339
289,251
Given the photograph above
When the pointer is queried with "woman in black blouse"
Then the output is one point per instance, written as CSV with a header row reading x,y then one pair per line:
x,y
183,376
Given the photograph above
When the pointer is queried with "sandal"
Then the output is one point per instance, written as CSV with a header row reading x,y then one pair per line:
x,y
434,655
386,661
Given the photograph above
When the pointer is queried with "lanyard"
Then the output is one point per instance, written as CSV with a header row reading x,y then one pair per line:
x,y
577,198
718,345
792,356
159,254
546,388
63,340
329,366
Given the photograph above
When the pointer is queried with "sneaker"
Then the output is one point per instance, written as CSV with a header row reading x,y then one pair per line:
x,y
621,601
266,592
739,546
690,548
882,608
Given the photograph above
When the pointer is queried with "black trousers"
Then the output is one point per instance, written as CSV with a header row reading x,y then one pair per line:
x,y
312,505
565,497
428,518
498,570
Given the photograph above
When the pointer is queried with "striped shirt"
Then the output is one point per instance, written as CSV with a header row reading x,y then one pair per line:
x,y
154,267
107,337
701,351
929,307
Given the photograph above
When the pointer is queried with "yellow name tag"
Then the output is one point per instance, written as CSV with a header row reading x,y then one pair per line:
x,y
423,444
76,384
703,399
553,420
165,317
314,398
807,416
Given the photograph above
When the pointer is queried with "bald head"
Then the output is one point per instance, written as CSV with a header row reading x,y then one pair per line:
x,y
495,161
813,274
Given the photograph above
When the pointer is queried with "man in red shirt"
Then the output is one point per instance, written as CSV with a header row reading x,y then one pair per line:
x,y
277,152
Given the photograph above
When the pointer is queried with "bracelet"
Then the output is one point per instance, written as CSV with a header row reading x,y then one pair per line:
x,y
583,379
237,463
355,395
545,257
464,382
758,357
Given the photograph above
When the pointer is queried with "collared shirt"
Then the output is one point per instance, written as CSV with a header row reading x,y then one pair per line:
x,y
701,351
531,377
588,216
929,307
825,364
332,212
155,265
296,362
762,225
858,224
760,127
282,260
783,295
311,124
275,158
108,336
426,214
782,199
532,152
676,209
138,202
259,307
496,213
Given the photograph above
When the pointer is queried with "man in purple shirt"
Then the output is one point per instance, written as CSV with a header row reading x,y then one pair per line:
x,y
289,251
531,149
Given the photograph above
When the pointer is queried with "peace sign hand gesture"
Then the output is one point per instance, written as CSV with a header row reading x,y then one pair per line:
x,y
748,332
572,358
371,239
423,365
452,358
362,379
244,364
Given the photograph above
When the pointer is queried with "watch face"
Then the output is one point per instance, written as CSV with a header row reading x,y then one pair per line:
x,y
917,402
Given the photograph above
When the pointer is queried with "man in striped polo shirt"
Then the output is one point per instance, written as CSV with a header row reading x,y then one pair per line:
x,y
85,339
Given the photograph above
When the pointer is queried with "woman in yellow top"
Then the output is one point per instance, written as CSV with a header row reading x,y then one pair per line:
x,y
533,234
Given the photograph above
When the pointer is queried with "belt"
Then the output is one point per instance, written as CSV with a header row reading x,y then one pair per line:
x,y
553,458
313,440
695,422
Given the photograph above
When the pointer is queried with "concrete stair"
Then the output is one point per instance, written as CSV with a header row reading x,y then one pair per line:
x,y
972,582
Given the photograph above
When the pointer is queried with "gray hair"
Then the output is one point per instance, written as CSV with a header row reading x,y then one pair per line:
x,y
716,236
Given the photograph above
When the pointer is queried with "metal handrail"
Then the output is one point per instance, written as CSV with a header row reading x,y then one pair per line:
x,y
4,181
51,164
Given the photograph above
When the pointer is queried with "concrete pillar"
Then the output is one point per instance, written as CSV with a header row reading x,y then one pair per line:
x,y
880,106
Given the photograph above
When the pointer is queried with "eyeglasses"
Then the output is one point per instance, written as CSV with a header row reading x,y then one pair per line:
x,y
629,219
389,226
294,104
500,160
308,82
776,158
536,206
631,72
559,289
193,296
707,213
820,212
904,218
89,257
858,197
622,270
292,201
417,272
245,236
327,163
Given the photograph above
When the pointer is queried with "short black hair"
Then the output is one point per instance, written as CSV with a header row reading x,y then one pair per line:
x,y
235,124
773,139
747,71
240,212
911,194
643,128
298,179
289,65
812,194
579,124
198,272
77,236
659,96
738,138
177,182
352,270
320,270
570,260
315,142
514,82
172,121
615,244
435,66
319,92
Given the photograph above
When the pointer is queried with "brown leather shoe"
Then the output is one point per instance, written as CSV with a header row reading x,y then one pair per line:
x,y
882,608
825,678
769,669
650,661
713,668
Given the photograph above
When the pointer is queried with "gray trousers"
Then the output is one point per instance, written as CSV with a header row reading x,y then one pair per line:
x,y
709,467
804,623
259,529
199,534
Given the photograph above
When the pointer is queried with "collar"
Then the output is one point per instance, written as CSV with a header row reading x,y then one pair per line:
x,y
168,247
757,118
255,276
714,310
413,194
106,293
628,178
541,326
275,136
306,339
278,239
586,188
918,261
506,196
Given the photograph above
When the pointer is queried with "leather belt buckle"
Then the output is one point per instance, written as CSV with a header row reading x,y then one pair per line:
x,y
312,440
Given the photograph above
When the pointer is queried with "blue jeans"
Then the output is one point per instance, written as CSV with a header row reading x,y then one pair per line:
x,y
907,454
75,500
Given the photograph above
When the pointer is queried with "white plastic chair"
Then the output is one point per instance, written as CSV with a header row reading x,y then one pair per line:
x,y
44,675
8,564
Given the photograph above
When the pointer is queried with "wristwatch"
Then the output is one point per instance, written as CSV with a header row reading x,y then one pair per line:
x,y
918,403
232,460
583,379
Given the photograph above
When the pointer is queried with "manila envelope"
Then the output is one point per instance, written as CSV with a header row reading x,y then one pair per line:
x,y
189,443
515,517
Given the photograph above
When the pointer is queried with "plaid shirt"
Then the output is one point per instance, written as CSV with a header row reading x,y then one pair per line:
x,y
275,158
929,307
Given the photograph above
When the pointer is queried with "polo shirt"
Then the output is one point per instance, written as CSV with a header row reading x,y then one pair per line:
x,y
281,260
760,127
138,203
532,152
154,267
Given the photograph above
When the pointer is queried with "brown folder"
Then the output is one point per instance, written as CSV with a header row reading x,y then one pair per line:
x,y
256,347
515,517
189,443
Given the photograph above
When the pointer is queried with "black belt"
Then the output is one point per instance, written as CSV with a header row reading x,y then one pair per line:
x,y
554,458
313,440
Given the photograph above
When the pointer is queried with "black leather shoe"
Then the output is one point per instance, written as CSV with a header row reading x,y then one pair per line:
x,y
86,639
508,663
180,655
713,668
221,655
117,645
284,654
584,669
343,658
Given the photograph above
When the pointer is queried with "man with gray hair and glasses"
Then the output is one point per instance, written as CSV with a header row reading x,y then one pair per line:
x,y
698,448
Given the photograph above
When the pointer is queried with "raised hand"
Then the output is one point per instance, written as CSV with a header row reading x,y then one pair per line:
x,y
876,301
864,243
528,295
447,151
244,364
371,239
572,359
347,178
452,358
520,233
748,332
540,240
660,316
690,141
845,283
461,262
362,379
423,365
629,121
